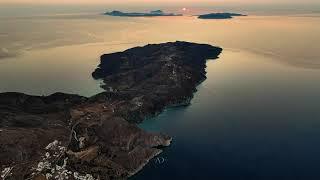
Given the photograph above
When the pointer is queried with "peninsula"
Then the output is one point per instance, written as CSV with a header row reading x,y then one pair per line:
x,y
64,136
139,14
219,15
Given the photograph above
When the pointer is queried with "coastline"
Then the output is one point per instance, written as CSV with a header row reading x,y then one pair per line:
x,y
102,128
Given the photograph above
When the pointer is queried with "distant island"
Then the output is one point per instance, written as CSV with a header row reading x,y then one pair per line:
x,y
219,15
65,136
139,14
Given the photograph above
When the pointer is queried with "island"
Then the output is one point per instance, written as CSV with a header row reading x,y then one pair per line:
x,y
138,14
65,136
219,15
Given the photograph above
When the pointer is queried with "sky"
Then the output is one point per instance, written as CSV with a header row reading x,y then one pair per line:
x,y
158,1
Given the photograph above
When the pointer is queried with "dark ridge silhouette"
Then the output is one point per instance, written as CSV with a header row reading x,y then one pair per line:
x,y
219,15
139,14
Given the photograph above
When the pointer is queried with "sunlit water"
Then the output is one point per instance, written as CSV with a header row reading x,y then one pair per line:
x,y
255,117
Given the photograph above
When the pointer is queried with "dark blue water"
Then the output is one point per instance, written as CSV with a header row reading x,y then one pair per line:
x,y
251,119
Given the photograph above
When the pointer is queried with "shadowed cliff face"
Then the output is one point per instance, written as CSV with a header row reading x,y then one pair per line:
x,y
69,136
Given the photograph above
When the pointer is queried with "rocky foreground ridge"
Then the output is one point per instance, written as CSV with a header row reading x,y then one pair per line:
x,y
65,136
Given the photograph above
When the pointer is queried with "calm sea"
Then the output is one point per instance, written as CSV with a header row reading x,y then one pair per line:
x,y
256,116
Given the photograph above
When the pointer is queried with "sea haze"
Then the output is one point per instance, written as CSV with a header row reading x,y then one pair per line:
x,y
255,117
